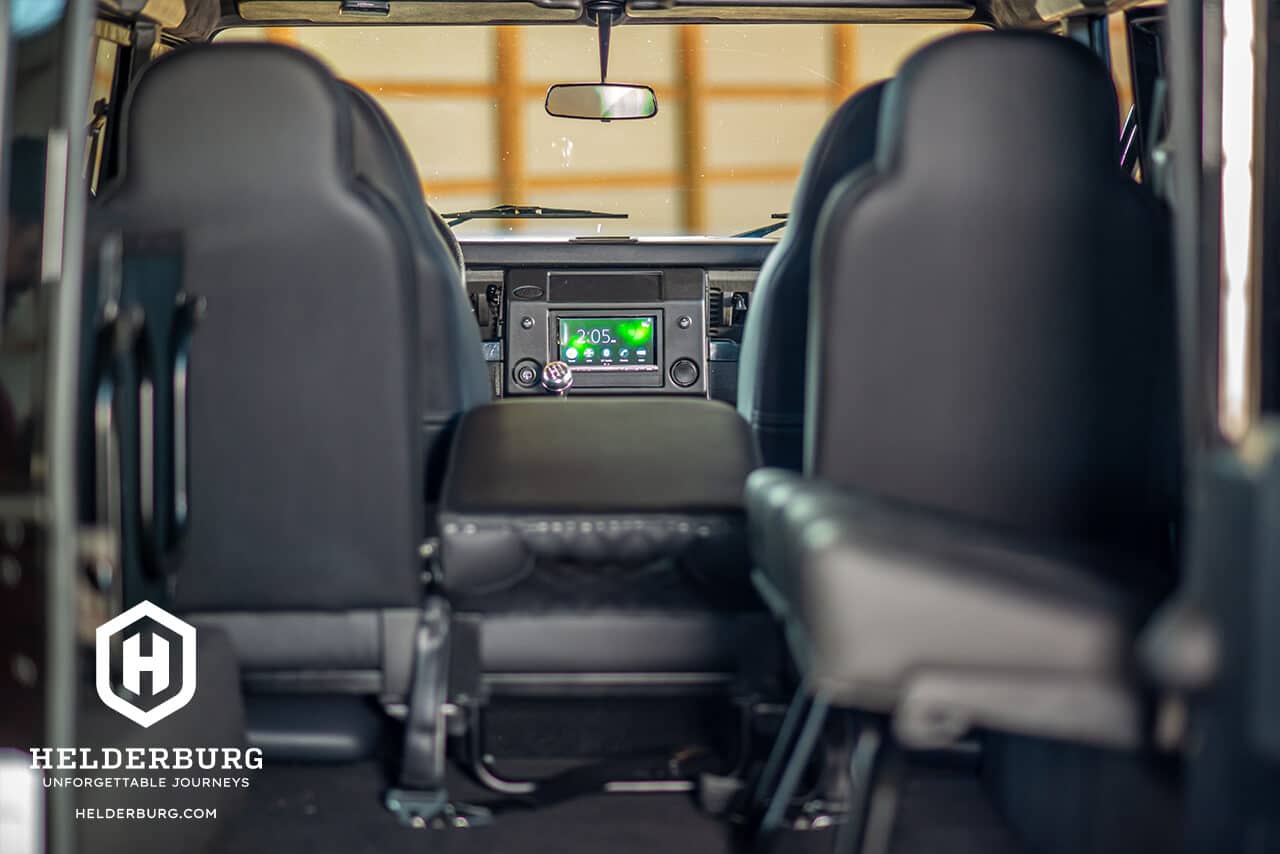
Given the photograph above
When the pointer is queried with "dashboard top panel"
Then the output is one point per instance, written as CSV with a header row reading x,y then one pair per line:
x,y
646,252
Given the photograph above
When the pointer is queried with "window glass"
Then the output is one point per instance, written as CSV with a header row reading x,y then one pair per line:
x,y
1120,73
23,307
32,17
105,53
738,108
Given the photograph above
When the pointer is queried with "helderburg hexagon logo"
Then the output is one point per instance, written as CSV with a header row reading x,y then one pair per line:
x,y
146,682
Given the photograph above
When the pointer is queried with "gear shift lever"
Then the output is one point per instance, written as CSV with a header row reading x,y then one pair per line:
x,y
557,378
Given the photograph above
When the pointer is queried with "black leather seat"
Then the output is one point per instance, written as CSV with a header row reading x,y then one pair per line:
x,y
453,370
772,360
388,164
214,718
594,548
305,388
620,551
993,462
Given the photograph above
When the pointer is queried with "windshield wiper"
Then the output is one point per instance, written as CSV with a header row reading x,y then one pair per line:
x,y
765,230
527,212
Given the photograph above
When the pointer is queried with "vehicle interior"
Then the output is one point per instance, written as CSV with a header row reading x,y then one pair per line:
x,y
644,425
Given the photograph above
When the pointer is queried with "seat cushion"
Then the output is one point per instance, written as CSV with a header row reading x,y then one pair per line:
x,y
890,608
605,488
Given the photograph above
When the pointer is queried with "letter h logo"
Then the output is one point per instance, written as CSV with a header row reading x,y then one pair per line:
x,y
152,706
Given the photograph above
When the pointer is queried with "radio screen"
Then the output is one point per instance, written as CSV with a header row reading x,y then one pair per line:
x,y
607,342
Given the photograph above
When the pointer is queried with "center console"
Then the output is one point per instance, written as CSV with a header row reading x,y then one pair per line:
x,y
621,332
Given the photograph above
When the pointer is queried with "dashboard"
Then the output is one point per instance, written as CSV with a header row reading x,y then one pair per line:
x,y
652,317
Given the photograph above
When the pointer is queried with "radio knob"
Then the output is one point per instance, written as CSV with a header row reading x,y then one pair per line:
x,y
526,373
684,372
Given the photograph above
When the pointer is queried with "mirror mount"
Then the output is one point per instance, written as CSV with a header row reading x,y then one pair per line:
x,y
603,101
605,13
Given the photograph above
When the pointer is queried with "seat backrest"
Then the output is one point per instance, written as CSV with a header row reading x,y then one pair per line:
x,y
772,361
305,454
992,322
455,376
383,158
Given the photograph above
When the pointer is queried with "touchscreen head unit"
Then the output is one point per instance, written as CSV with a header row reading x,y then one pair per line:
x,y
608,342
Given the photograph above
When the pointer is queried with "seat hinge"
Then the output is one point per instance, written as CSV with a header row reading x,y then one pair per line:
x,y
422,799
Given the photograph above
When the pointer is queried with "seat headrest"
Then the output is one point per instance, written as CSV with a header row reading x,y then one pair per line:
x,y
216,120
846,142
976,102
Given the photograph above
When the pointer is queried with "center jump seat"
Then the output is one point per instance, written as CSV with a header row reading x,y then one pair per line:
x,y
601,536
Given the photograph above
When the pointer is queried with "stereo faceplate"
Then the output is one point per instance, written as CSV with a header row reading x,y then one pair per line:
x,y
659,312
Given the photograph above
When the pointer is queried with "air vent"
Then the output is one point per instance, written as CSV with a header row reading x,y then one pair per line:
x,y
715,310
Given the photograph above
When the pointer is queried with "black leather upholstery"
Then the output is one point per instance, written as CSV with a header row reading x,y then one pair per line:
x,y
610,523
309,729
600,455
996,333
899,609
596,483
304,392
382,158
213,719
774,343
991,465
454,373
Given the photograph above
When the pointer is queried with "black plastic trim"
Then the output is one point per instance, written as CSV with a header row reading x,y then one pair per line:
x,y
728,252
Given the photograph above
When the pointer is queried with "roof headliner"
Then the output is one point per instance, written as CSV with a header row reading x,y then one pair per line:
x,y
199,19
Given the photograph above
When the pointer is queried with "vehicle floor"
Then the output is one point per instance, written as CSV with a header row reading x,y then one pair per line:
x,y
337,809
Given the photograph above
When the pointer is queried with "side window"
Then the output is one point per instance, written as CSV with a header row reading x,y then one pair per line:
x,y
23,322
106,55
1121,72
1122,77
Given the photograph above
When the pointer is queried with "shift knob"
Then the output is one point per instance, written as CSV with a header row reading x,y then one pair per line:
x,y
557,377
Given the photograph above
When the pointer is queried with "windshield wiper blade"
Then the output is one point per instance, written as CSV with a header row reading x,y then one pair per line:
x,y
528,212
766,230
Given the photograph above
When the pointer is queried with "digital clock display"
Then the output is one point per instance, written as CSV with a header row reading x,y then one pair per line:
x,y
607,342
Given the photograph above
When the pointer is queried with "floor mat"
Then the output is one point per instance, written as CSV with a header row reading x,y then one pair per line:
x,y
318,809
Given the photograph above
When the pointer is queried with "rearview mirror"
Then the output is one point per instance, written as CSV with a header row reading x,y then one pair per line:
x,y
601,101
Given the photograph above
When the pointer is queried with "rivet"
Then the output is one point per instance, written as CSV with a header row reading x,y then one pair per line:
x,y
24,670
10,571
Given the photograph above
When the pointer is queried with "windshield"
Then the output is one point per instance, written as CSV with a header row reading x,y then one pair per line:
x,y
738,108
